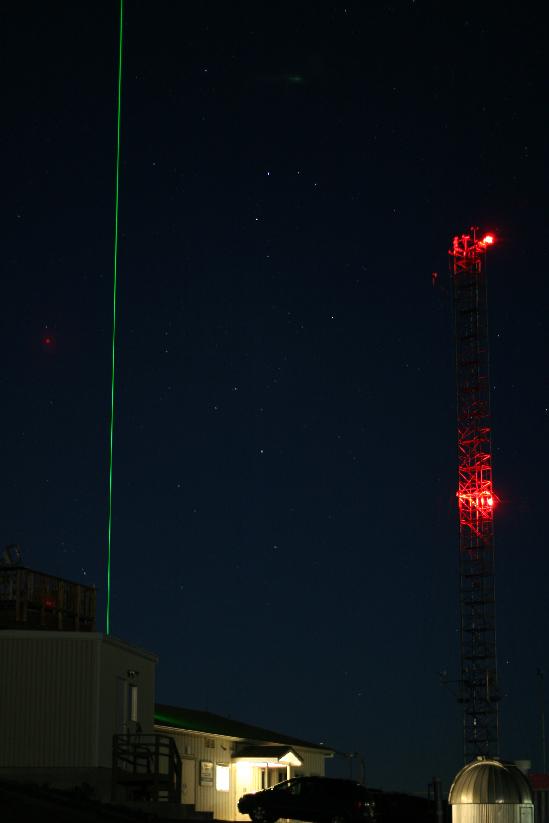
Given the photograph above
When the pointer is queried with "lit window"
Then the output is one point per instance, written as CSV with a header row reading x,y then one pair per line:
x,y
222,778
134,711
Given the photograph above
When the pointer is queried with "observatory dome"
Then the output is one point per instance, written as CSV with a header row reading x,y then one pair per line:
x,y
490,781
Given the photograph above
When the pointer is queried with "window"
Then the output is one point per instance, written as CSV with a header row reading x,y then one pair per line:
x,y
222,777
292,787
133,703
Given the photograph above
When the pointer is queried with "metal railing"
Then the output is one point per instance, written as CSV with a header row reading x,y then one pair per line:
x,y
146,767
33,600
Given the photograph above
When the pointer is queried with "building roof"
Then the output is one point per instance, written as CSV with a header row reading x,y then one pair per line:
x,y
488,780
283,755
194,720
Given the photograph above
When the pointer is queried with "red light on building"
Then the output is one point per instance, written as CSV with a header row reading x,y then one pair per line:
x,y
49,343
488,239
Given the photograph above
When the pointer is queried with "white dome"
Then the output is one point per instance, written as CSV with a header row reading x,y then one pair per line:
x,y
490,781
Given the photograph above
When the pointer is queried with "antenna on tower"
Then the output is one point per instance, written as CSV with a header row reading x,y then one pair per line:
x,y
478,687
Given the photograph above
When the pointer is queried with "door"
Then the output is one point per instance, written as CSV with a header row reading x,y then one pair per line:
x,y
188,781
121,706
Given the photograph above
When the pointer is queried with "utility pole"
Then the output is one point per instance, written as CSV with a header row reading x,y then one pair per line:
x,y
542,718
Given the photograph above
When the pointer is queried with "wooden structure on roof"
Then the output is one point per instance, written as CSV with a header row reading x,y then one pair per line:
x,y
33,600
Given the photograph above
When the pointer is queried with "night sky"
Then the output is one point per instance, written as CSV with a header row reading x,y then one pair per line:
x,y
284,510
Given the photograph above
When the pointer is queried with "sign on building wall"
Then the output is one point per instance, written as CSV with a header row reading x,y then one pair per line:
x,y
206,773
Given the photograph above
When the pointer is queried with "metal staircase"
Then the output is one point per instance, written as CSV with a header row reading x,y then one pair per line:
x,y
145,767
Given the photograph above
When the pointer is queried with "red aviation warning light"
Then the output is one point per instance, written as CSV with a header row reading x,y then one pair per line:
x,y
476,498
49,343
467,245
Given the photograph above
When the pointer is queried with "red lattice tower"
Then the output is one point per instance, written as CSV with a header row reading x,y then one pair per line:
x,y
478,680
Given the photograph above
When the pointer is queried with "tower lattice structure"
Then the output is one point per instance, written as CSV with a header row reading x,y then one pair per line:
x,y
478,677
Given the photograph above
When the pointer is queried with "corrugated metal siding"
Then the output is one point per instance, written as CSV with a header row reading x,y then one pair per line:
x,y
47,699
313,763
219,750
247,780
117,659
492,813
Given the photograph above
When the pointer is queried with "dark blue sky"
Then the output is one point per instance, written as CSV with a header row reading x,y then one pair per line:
x,y
285,526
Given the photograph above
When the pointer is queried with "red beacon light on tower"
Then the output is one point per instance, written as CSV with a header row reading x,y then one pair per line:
x,y
487,500
470,246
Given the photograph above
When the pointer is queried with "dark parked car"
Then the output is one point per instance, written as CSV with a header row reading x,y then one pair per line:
x,y
395,807
315,799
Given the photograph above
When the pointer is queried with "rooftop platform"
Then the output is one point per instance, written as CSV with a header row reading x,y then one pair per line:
x,y
33,600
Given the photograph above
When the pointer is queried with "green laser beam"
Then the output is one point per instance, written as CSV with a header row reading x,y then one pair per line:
x,y
115,278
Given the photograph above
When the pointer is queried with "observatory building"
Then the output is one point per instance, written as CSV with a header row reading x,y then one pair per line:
x,y
66,690
77,708
491,791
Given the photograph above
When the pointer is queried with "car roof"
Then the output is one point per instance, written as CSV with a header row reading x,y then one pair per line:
x,y
331,779
341,781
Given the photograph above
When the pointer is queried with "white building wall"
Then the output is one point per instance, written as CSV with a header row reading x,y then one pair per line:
x,y
122,665
243,777
208,749
247,778
58,697
48,705
314,763
492,813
